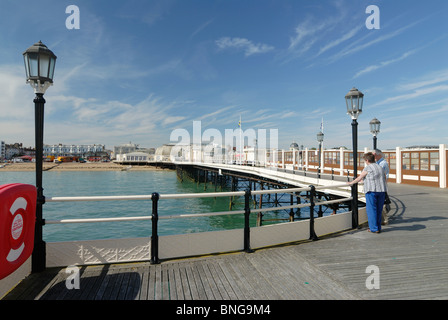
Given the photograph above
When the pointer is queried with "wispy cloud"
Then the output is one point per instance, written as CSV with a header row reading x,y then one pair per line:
x,y
201,27
243,44
383,64
415,94
306,35
314,32
156,11
347,36
363,43
430,79
92,120
216,113
430,84
302,32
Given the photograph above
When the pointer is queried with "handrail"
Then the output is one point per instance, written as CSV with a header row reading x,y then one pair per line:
x,y
63,221
97,198
202,195
185,195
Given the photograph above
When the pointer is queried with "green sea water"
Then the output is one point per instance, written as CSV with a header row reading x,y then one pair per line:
x,y
114,183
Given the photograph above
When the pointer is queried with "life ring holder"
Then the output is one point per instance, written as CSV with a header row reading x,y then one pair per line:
x,y
17,221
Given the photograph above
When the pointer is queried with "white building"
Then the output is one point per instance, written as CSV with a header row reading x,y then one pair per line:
x,y
2,150
73,150
125,148
133,157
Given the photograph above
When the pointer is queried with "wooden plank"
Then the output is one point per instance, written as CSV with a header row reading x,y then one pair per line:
x,y
224,288
87,281
213,292
115,284
132,292
172,283
191,281
102,289
152,284
234,274
273,271
158,282
122,289
185,284
51,291
36,285
165,282
58,290
232,279
144,287
90,295
178,283
248,269
207,281
202,285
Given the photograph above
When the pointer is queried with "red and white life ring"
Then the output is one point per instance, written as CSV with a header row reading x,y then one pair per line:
x,y
17,220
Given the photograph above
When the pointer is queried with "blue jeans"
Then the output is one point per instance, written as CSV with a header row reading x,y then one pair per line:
x,y
374,208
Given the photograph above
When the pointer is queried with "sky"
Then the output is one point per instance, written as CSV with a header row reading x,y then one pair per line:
x,y
136,71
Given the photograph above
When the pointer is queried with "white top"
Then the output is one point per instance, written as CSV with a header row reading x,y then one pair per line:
x,y
375,180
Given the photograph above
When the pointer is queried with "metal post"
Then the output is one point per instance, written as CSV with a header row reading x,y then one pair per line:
x,y
247,195
313,235
154,236
291,211
319,160
38,262
355,174
374,142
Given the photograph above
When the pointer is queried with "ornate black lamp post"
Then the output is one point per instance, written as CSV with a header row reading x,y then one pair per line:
x,y
320,139
374,129
354,100
39,67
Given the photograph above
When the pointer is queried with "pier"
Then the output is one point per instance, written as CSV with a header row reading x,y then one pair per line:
x,y
411,254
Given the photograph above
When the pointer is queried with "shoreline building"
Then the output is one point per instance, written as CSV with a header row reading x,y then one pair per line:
x,y
17,150
2,150
131,152
91,152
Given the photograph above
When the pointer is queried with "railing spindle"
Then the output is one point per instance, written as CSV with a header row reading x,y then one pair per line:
x,y
154,236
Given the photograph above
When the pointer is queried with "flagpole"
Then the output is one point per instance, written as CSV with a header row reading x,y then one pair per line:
x,y
322,148
322,126
241,144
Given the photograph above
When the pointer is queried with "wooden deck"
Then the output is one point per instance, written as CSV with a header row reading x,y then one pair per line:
x,y
411,255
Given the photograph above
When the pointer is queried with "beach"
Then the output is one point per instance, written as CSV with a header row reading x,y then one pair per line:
x,y
75,166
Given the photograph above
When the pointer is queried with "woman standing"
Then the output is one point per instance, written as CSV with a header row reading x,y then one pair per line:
x,y
374,189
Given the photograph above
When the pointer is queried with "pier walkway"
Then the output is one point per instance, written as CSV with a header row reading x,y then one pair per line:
x,y
410,257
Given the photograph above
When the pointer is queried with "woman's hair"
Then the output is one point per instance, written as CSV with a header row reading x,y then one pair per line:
x,y
369,157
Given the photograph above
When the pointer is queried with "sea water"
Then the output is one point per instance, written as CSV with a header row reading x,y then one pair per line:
x,y
116,183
